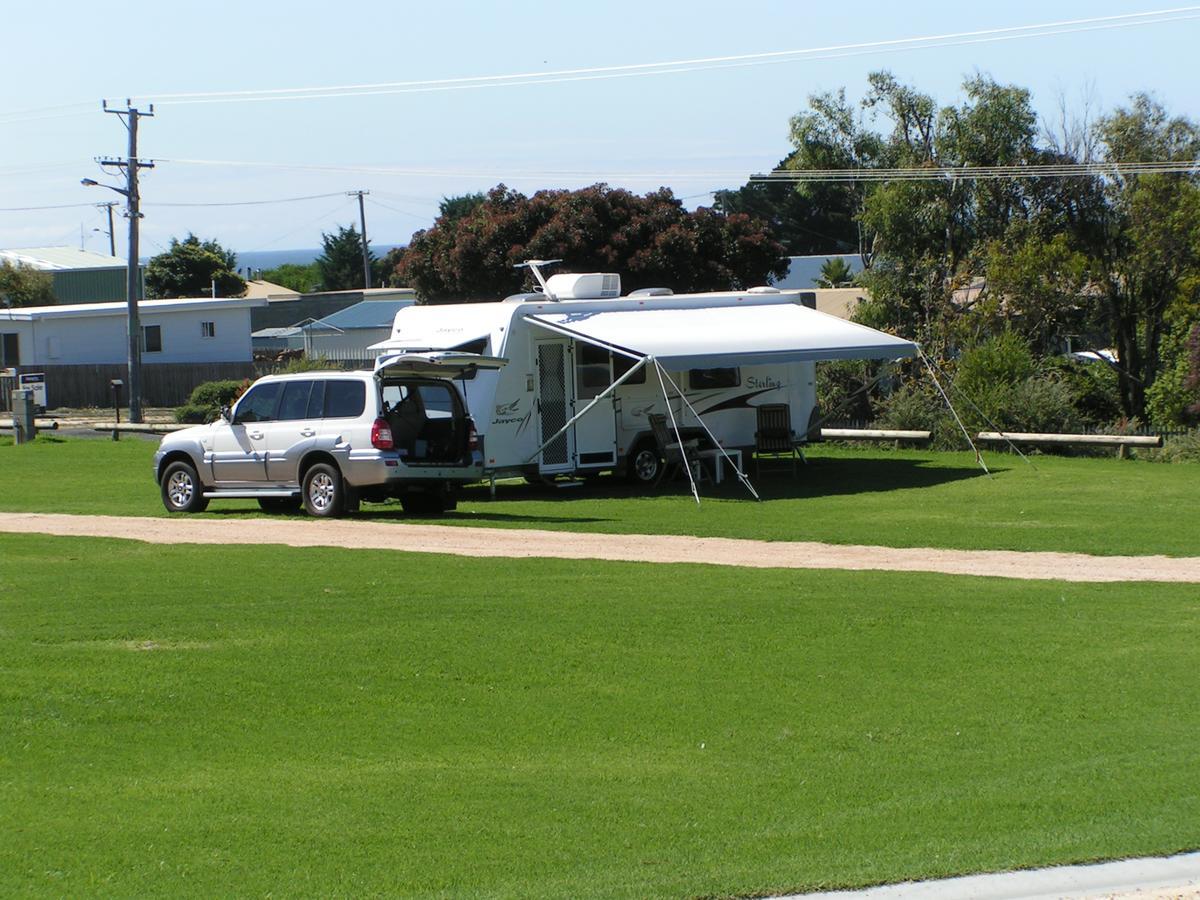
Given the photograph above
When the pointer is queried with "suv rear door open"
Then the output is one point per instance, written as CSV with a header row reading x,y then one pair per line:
x,y
426,413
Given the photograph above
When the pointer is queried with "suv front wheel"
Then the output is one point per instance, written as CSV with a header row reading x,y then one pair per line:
x,y
323,491
181,489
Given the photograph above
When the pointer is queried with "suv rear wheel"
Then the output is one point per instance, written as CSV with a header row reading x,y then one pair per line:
x,y
323,491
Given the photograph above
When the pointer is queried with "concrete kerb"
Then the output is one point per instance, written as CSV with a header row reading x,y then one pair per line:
x,y
1168,876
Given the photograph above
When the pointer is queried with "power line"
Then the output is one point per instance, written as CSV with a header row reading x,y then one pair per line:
x,y
33,208
248,202
1019,32
395,171
946,173
423,218
325,215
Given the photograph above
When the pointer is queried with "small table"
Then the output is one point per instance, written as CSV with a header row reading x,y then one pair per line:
x,y
717,456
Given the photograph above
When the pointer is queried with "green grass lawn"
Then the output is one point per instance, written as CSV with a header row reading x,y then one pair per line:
x,y
260,720
896,498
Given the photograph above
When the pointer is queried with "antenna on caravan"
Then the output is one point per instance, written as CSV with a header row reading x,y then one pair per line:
x,y
534,265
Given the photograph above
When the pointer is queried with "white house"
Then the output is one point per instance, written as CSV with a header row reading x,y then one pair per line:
x,y
173,331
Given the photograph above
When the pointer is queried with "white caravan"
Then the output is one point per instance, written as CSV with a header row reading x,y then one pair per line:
x,y
588,366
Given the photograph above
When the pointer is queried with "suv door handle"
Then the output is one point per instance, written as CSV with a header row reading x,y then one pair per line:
x,y
306,432
256,435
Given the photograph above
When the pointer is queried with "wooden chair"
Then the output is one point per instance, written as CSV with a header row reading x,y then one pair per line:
x,y
774,438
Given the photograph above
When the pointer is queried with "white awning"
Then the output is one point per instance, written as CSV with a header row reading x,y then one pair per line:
x,y
714,336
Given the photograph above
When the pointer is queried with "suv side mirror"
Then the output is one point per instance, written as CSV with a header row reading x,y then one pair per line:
x,y
224,413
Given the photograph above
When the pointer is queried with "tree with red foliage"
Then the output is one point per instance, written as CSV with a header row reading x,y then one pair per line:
x,y
651,241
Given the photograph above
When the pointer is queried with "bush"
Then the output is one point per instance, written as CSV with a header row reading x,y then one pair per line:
x,y
215,393
840,390
1183,449
1093,389
206,400
192,414
918,406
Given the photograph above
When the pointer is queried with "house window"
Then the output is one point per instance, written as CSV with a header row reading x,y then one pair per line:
x,y
152,339
10,350
208,329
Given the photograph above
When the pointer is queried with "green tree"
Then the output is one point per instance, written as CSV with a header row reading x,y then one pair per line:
x,y
930,236
814,217
835,272
301,278
1147,261
22,285
188,268
461,205
341,261
651,240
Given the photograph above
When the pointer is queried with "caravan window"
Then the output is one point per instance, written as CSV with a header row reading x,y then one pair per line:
x,y
592,371
707,379
622,364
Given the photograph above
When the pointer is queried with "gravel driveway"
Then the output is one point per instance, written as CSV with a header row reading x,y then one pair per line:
x,y
493,542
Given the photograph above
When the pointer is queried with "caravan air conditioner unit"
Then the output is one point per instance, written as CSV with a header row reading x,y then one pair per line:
x,y
592,286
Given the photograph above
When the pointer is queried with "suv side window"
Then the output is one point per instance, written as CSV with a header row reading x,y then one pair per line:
x,y
316,401
294,404
258,405
345,399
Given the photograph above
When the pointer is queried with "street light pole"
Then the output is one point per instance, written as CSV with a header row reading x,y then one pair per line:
x,y
133,282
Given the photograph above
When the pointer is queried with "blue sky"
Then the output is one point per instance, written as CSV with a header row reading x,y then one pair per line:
x,y
692,131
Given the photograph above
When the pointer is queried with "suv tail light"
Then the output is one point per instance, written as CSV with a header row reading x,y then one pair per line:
x,y
381,435
472,436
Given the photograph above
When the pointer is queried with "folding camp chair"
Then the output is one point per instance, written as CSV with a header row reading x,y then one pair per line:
x,y
774,437
673,453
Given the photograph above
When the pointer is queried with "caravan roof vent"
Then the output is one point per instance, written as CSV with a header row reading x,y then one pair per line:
x,y
763,289
651,292
592,286
523,298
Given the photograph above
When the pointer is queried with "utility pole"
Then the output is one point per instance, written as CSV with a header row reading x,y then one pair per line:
x,y
131,164
362,218
112,241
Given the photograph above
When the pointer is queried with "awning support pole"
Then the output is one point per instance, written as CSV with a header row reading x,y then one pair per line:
x,y
583,412
742,477
675,428
953,411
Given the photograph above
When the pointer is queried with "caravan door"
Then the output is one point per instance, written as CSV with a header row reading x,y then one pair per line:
x,y
555,392
596,432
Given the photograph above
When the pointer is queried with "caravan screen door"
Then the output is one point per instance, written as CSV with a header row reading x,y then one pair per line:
x,y
554,406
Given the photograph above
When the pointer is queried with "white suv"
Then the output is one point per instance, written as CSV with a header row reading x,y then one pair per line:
x,y
328,440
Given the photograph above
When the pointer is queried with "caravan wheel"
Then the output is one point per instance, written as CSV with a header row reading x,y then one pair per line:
x,y
644,466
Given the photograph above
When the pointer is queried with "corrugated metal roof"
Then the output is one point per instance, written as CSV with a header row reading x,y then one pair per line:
x,y
367,314
54,258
